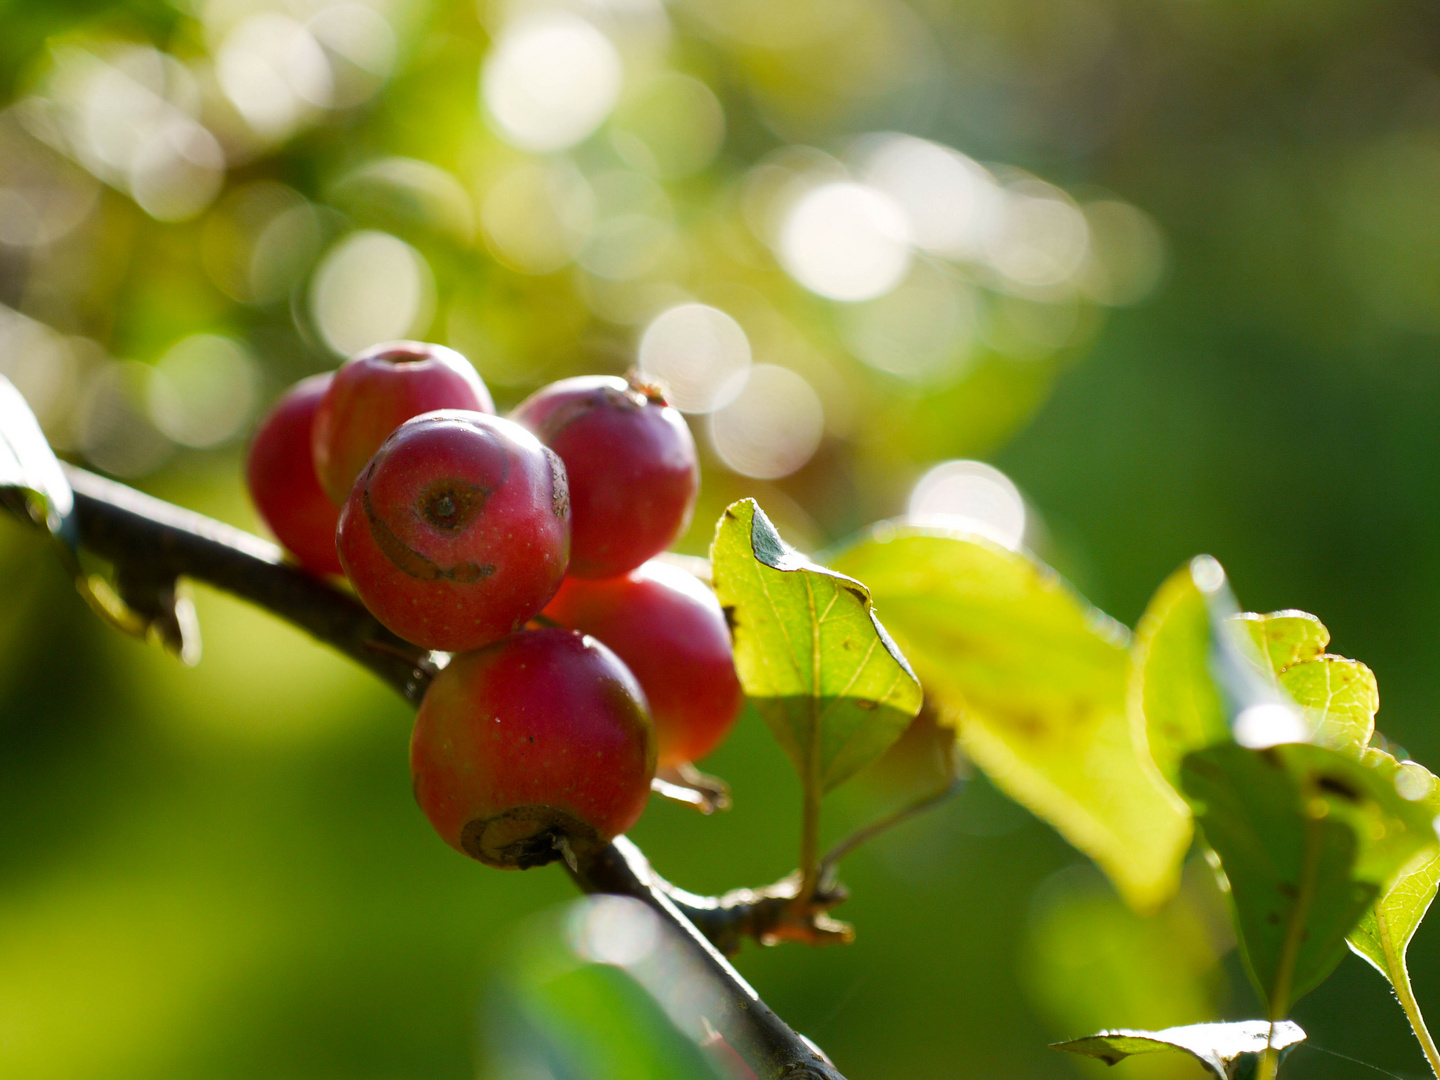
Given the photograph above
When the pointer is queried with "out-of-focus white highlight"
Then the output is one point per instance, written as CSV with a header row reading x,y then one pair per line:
x,y
1127,254
1040,239
1207,573
360,48
1269,724
550,80
845,241
273,70
972,497
701,355
613,930
772,427
42,365
371,287
203,390
1414,782
950,202
129,119
177,170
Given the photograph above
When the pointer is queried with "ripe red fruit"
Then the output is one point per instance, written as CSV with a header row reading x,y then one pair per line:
x,y
670,631
632,467
375,392
281,476
458,531
539,743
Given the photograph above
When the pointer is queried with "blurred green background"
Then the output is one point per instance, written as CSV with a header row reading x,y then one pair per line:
x,y
1171,268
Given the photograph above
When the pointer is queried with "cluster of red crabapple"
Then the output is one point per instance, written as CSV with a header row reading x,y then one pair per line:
x,y
525,547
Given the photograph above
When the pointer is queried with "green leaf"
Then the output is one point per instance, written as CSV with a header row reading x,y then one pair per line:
x,y
1225,1049
1384,932
1308,838
30,475
813,657
1338,696
1286,637
1036,679
1175,706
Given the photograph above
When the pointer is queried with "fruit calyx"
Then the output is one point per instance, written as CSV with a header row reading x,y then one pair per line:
x,y
528,836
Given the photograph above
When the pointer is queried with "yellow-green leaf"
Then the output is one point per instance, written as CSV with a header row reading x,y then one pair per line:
x,y
1037,680
1339,697
1286,637
1384,932
813,657
1175,706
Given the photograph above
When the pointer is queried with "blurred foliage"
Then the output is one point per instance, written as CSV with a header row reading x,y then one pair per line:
x,y
1229,213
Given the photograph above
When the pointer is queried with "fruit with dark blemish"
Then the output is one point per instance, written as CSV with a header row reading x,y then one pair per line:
x,y
281,476
534,749
632,464
458,531
669,630
375,392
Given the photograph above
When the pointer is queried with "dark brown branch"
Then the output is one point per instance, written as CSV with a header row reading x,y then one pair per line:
x,y
145,537
138,533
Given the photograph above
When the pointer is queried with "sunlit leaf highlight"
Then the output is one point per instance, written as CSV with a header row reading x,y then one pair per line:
x,y
1036,679
1224,1049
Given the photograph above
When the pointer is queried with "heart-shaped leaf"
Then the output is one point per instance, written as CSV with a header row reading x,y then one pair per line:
x,y
812,656
1229,1051
1036,681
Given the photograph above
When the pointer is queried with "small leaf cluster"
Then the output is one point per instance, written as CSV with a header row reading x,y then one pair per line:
x,y
1236,731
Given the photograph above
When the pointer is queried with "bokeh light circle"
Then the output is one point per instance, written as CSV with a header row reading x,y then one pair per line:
x,y
972,497
845,241
371,287
701,355
772,427
551,79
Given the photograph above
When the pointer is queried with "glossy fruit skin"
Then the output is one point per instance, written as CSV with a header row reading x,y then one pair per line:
x,y
458,531
281,476
540,736
669,630
375,392
632,465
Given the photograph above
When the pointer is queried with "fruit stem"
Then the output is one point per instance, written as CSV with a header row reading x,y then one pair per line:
x,y
830,861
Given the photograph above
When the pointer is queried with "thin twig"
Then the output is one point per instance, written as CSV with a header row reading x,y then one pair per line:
x,y
133,530
830,861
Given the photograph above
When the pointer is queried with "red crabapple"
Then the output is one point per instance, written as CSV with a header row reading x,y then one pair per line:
x,y
375,392
670,631
458,531
281,476
536,748
632,467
